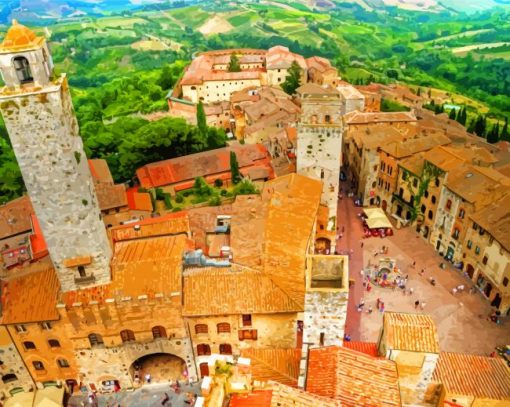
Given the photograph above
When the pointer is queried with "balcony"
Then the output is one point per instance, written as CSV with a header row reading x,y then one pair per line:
x,y
85,280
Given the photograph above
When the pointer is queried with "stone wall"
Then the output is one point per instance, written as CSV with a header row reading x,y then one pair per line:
x,y
44,134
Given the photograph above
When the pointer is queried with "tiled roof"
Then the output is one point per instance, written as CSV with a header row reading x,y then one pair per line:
x,y
15,217
410,332
257,398
287,396
413,163
352,377
213,162
410,146
100,171
349,92
278,364
254,292
139,201
19,37
368,348
357,117
374,137
314,89
281,57
495,218
146,266
110,196
472,375
320,64
31,297
170,224
37,242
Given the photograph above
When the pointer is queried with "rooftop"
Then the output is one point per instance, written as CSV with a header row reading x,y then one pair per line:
x,y
410,332
357,117
31,296
410,146
472,375
495,218
368,348
312,89
18,38
280,365
353,378
15,217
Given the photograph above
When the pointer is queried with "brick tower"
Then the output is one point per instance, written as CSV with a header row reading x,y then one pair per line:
x,y
38,112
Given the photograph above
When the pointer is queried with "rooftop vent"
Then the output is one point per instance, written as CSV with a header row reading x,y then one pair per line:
x,y
469,175
136,227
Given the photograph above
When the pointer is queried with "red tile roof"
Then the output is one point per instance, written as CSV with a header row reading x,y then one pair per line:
x,y
15,217
353,378
411,332
207,163
139,201
280,365
37,242
258,398
368,348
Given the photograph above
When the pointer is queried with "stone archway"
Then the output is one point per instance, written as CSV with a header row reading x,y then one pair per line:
x,y
161,367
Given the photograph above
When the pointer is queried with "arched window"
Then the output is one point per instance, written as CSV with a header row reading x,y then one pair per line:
x,y
8,378
54,343
158,332
127,335
95,339
327,118
22,68
201,329
223,327
456,233
29,345
449,204
62,362
38,365
203,349
225,349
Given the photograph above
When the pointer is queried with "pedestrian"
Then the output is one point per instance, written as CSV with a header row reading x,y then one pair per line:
x,y
414,264
472,290
422,272
394,285
362,273
381,309
340,235
454,290
411,291
369,287
362,242
422,305
369,310
416,303
378,303
362,303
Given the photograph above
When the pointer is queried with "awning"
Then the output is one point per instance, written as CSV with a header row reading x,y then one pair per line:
x,y
21,399
51,396
376,218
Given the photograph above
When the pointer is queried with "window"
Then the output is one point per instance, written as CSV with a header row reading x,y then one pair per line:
x,y
81,270
485,260
8,378
203,349
390,170
456,233
327,118
20,328
95,339
28,345
54,343
375,168
321,339
223,327
201,329
38,365
491,240
430,215
62,363
247,334
461,213
246,320
22,68
433,199
415,182
404,176
437,182
158,332
449,204
423,209
225,349
322,174
475,226
469,244
481,231
426,194
127,335
477,250
46,325
505,282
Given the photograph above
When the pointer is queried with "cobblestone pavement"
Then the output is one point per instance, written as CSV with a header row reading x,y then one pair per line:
x,y
461,319
147,396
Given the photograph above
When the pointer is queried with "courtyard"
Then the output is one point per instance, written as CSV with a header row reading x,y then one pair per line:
x,y
461,318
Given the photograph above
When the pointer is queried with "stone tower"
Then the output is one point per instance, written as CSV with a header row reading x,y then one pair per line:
x,y
319,142
38,112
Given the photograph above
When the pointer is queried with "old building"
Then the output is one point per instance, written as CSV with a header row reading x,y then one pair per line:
x,y
278,62
321,72
37,110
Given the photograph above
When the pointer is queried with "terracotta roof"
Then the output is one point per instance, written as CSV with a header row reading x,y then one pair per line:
x,y
257,398
374,137
320,64
472,375
146,266
352,377
100,171
350,92
170,224
410,146
280,57
19,37
495,218
37,242
368,348
111,196
291,211
414,163
31,297
254,292
357,117
314,89
410,332
278,364
139,201
289,396
15,217
203,164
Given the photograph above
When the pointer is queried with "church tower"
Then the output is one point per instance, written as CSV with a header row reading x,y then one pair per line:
x,y
319,142
36,106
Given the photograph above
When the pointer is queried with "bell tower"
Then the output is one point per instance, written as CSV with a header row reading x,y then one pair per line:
x,y
38,113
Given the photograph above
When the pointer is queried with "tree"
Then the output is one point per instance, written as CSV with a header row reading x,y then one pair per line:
x,y
293,79
234,168
418,92
462,116
493,135
166,81
245,187
453,114
201,120
480,126
234,65
504,132
430,93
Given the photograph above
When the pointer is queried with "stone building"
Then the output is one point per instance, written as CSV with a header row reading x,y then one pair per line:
x,y
37,110
319,142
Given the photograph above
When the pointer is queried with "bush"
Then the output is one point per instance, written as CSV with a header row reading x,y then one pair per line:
x,y
215,201
245,187
199,199
223,192
160,195
218,183
179,198
168,201
187,193
201,187
141,190
177,209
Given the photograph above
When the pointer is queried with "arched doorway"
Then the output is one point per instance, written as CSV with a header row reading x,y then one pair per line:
x,y
322,246
470,270
161,367
487,290
496,302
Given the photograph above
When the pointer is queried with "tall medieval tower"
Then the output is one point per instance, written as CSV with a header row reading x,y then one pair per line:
x,y
38,113
319,142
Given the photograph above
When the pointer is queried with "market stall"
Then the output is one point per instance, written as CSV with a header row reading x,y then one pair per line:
x,y
376,223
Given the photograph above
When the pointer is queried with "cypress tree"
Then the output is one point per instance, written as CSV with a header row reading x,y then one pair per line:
x,y
480,126
493,135
453,114
201,121
234,64
234,168
504,132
